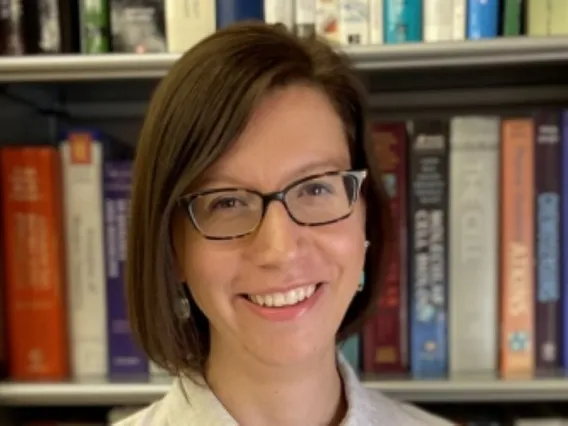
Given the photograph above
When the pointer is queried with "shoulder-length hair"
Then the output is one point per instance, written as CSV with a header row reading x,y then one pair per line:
x,y
196,113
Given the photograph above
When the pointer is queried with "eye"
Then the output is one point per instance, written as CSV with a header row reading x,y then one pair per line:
x,y
315,189
226,203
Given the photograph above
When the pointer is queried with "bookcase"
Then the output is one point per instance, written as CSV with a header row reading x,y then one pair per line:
x,y
110,92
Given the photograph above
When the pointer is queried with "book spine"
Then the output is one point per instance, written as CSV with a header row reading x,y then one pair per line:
x,y
564,234
304,18
438,20
474,217
482,19
538,18
428,226
187,22
459,20
353,22
547,241
376,22
350,350
517,248
385,338
403,21
277,11
33,246
513,17
231,11
12,28
138,27
94,26
125,358
558,10
81,156
327,20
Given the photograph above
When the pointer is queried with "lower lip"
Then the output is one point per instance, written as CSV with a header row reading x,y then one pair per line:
x,y
286,313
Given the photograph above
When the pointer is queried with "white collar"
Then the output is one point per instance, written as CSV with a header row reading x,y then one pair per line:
x,y
365,407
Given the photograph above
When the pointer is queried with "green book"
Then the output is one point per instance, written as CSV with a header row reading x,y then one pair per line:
x,y
512,18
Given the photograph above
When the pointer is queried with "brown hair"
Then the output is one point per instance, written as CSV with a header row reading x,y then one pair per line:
x,y
197,111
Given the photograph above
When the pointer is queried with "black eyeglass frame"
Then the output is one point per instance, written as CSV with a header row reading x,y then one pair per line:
x,y
186,201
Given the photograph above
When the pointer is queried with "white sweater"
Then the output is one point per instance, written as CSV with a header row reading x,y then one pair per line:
x,y
365,407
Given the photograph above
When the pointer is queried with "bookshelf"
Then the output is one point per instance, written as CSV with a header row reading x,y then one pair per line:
x,y
110,92
459,390
516,51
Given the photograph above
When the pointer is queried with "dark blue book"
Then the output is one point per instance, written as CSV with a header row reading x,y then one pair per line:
x,y
231,11
125,358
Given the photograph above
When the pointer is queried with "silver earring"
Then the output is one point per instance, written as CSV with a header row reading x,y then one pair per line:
x,y
362,278
183,308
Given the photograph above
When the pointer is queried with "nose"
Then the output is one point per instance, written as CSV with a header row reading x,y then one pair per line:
x,y
275,243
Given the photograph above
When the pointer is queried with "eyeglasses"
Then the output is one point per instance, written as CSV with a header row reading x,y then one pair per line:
x,y
228,213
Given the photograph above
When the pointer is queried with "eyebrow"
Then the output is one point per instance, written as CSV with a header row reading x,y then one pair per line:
x,y
306,169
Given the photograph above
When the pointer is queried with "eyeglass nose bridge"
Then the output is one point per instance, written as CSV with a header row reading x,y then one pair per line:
x,y
276,196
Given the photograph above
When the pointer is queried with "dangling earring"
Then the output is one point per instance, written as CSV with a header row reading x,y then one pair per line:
x,y
361,282
183,308
362,278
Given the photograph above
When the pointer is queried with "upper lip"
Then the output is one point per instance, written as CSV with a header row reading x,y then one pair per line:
x,y
284,289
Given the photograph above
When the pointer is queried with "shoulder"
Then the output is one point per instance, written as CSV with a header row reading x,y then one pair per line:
x,y
370,407
156,414
402,413
143,417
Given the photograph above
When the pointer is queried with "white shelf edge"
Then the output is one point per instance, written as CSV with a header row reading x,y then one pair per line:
x,y
442,391
500,51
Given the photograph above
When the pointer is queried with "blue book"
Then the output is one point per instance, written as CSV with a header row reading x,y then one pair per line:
x,y
350,350
564,234
403,21
125,358
482,19
231,11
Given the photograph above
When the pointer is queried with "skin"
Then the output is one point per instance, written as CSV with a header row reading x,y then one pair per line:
x,y
260,369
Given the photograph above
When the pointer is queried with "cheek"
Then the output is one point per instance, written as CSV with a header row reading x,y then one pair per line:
x,y
344,245
200,264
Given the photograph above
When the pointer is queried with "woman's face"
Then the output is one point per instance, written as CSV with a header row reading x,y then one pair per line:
x,y
294,133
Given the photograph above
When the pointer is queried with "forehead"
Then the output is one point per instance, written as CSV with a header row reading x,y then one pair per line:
x,y
295,131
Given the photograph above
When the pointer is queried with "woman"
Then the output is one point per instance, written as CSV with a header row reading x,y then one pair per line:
x,y
254,214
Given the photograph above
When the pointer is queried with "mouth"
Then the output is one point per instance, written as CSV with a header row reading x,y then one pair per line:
x,y
284,299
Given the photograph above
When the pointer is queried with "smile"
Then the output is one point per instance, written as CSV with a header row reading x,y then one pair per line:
x,y
281,299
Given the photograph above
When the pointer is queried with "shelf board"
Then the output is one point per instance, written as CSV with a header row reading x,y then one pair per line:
x,y
489,52
425,391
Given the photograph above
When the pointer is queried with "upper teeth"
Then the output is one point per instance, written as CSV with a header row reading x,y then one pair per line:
x,y
284,299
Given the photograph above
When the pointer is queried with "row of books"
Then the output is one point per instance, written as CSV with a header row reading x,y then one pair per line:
x,y
155,26
477,283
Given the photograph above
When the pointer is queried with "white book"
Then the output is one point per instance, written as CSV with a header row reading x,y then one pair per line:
x,y
327,20
279,11
474,239
187,22
437,20
305,17
81,164
459,19
353,22
376,22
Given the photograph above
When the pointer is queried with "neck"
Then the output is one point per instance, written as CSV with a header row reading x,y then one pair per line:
x,y
258,394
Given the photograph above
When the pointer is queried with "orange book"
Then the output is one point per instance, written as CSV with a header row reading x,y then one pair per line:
x,y
33,253
517,248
